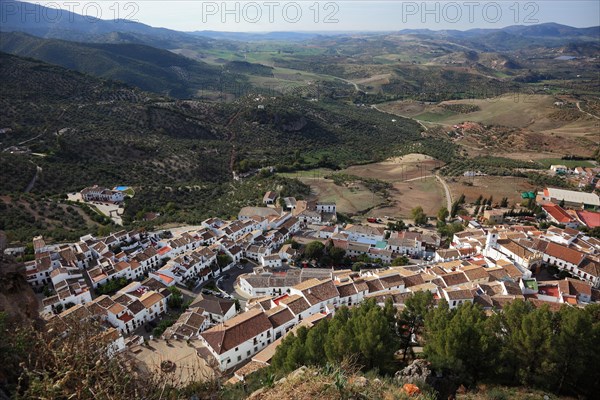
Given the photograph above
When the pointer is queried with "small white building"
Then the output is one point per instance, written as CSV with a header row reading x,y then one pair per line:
x,y
559,169
97,193
238,339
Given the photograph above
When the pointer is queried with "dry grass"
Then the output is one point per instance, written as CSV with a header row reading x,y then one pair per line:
x,y
404,173
527,124
496,186
315,384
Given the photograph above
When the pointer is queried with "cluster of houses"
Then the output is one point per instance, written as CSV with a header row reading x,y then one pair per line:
x,y
490,268
74,272
307,211
570,208
528,248
579,176
378,245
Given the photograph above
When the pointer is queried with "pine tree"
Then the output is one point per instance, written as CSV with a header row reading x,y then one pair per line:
x,y
571,347
412,317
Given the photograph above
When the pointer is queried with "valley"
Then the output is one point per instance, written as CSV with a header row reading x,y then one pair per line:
x,y
370,209
217,108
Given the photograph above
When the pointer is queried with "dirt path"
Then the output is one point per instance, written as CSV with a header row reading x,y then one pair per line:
x,y
585,112
446,190
231,140
33,138
419,177
374,106
351,83
38,170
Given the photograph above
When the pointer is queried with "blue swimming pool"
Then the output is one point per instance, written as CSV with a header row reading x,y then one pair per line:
x,y
121,188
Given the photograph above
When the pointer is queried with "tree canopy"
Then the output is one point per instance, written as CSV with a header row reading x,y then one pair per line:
x,y
418,215
314,250
364,334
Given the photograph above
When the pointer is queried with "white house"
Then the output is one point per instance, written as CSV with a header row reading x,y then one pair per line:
x,y
97,193
215,308
559,169
364,234
238,339
457,297
326,207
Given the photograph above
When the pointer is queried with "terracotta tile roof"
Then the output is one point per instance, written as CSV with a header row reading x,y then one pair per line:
x,y
316,291
296,303
153,284
347,290
104,301
475,273
237,330
589,218
121,265
511,270
397,297
512,288
279,316
460,294
413,280
575,287
557,213
116,308
497,273
150,298
590,266
454,278
564,253
77,312
135,307
515,248
213,304
68,255
126,317
374,285
391,281
193,317
537,303
361,285
501,301
484,300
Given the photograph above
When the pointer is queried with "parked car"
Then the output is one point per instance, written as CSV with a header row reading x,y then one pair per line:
x,y
240,267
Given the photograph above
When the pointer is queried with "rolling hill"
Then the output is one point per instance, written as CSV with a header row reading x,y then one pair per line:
x,y
46,22
146,67
80,130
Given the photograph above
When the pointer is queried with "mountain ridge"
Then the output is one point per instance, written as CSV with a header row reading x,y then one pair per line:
x,y
149,68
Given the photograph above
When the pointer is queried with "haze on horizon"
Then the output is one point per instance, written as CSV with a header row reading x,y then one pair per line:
x,y
337,16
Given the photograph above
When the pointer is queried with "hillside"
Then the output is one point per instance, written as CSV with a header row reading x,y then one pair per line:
x,y
139,65
63,24
79,130
333,384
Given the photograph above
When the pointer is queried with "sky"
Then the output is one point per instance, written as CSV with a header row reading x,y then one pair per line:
x,y
340,15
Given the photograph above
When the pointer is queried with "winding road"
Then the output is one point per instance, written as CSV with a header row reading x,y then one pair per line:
x,y
38,170
585,112
447,190
374,106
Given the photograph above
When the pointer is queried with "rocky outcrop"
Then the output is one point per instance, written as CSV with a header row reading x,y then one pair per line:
x,y
17,298
420,371
416,372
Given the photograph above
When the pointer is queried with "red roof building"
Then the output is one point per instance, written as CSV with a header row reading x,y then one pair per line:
x,y
589,218
557,214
